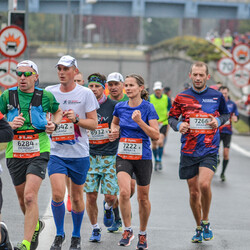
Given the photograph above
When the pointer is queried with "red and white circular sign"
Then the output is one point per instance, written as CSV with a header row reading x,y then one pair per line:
x,y
241,77
241,54
13,41
226,65
8,76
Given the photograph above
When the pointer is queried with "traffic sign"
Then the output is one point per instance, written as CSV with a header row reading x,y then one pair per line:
x,y
241,53
13,41
8,76
241,77
226,66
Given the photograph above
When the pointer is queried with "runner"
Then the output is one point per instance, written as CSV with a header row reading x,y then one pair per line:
x,y
6,135
136,120
116,89
203,110
160,102
70,148
27,155
226,130
102,160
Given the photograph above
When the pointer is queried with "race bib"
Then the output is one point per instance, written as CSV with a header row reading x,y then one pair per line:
x,y
130,148
65,131
99,135
26,146
198,123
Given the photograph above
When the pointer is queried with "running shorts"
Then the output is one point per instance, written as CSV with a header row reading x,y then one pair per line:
x,y
189,166
163,129
75,168
19,168
102,171
141,168
226,139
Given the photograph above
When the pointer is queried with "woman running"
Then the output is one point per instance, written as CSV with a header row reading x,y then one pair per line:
x,y
135,122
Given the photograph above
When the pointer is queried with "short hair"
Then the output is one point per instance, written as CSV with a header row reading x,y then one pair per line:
x,y
199,64
223,87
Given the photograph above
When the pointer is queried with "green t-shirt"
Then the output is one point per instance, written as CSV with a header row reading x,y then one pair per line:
x,y
124,98
49,104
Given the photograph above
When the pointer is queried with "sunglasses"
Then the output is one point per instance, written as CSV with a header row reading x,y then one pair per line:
x,y
26,74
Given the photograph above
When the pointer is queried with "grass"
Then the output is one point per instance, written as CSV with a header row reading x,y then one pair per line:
x,y
241,127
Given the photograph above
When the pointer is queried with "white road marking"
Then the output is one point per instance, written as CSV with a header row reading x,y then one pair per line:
x,y
239,149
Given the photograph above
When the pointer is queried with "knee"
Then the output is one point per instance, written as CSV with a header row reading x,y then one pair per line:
x,y
29,199
124,194
205,187
58,196
91,198
110,199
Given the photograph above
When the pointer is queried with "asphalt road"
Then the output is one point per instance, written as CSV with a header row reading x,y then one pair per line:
x,y
171,223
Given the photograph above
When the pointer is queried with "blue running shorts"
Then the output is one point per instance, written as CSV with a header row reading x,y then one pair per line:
x,y
75,168
189,166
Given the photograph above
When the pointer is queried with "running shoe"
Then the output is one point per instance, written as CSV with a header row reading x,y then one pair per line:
x,y
6,245
75,243
197,238
35,237
20,246
222,177
116,226
159,165
156,166
69,203
127,237
58,242
96,235
142,242
108,217
207,232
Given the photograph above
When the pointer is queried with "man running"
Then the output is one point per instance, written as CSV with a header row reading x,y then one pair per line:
x,y
102,170
203,110
226,130
27,155
116,92
70,148
160,102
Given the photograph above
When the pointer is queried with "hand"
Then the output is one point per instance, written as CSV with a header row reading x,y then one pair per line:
x,y
213,123
234,118
136,116
50,127
113,134
70,114
184,128
18,122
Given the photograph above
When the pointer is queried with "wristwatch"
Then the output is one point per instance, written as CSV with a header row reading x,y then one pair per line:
x,y
77,119
56,126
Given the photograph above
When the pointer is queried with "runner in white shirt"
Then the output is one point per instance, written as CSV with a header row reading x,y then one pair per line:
x,y
70,148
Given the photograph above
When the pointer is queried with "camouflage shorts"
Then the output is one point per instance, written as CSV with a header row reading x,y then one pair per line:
x,y
102,171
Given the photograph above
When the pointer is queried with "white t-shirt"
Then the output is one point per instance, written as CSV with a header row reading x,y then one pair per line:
x,y
82,100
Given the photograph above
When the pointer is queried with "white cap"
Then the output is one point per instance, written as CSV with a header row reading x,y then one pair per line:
x,y
67,61
115,77
157,85
28,63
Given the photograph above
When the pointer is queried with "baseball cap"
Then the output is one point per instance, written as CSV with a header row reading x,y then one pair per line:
x,y
67,61
28,63
157,85
116,77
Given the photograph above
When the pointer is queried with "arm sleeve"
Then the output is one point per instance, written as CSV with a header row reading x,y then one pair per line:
x,y
174,114
6,132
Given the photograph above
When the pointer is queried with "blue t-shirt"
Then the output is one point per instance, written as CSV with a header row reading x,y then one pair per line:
x,y
227,127
130,129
